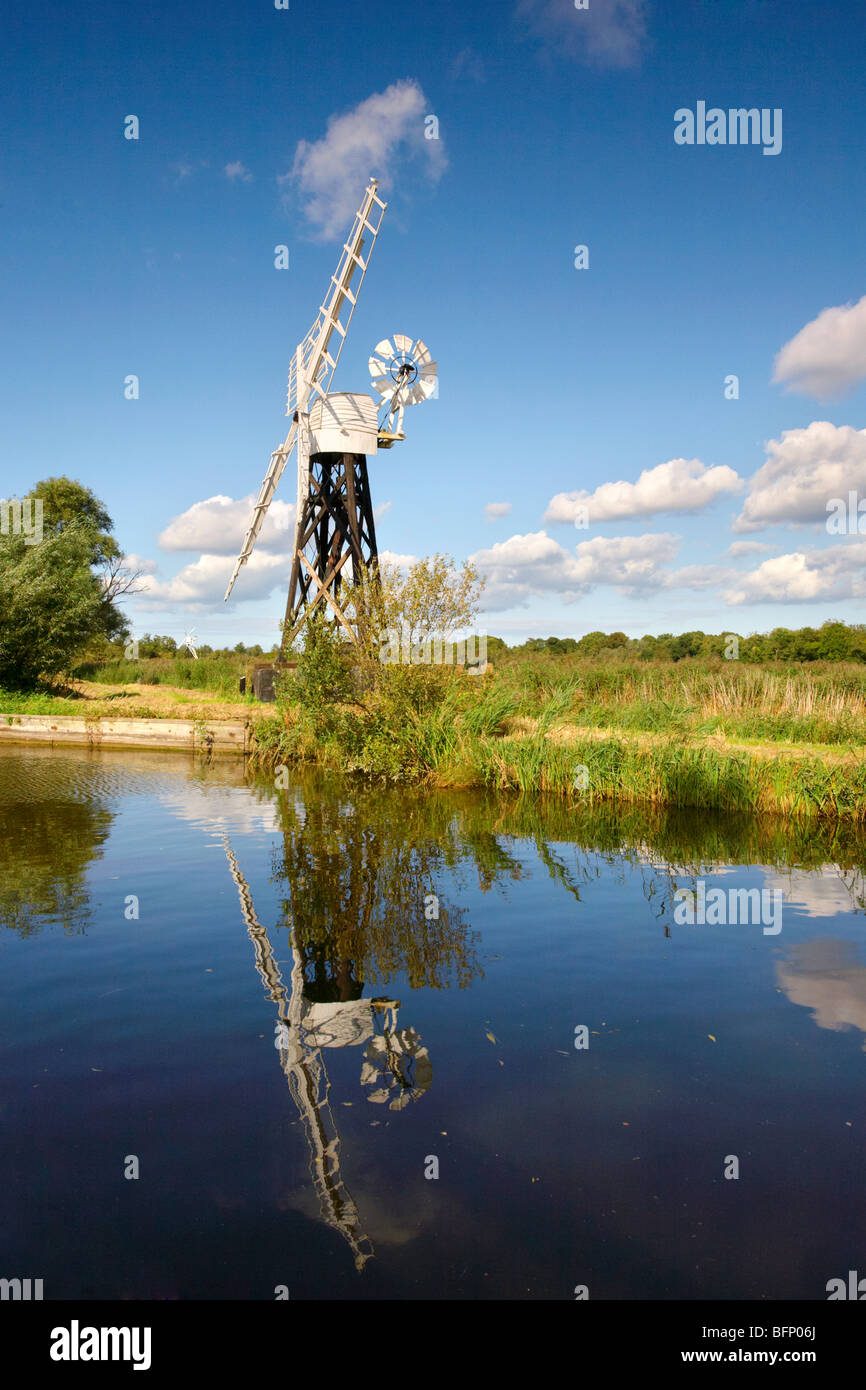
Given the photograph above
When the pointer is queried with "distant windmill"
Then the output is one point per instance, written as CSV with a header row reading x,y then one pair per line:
x,y
335,533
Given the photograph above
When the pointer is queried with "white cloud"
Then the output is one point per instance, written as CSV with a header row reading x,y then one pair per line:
x,y
838,572
535,564
804,470
400,562
827,358
680,485
609,33
202,584
237,171
218,526
697,577
379,512
373,138
494,510
140,563
746,548
625,561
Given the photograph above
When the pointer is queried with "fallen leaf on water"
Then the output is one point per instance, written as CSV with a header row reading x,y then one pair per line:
x,y
502,1064
711,1038
561,1053
347,1102
96,1068
626,1123
490,1036
848,1123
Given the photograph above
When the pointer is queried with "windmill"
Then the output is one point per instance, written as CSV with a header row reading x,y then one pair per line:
x,y
333,433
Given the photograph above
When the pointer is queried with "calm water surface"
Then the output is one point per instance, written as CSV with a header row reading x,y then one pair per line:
x,y
290,1006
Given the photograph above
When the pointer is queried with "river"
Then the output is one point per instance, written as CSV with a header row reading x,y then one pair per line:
x,y
337,1041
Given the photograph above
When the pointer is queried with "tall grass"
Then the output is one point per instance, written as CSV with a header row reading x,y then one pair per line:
x,y
220,675
824,703
536,725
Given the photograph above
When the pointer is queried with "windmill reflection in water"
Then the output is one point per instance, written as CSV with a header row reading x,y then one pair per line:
x,y
320,1014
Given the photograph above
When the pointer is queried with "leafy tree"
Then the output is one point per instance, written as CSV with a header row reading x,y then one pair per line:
x,y
65,501
51,604
834,642
432,598
57,596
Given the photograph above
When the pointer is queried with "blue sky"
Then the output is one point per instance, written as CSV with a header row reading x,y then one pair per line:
x,y
260,127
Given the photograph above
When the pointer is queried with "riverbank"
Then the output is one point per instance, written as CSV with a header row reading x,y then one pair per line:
x,y
772,741
781,741
135,699
134,715
211,737
595,766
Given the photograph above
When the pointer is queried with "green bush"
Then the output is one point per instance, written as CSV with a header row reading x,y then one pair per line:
x,y
51,605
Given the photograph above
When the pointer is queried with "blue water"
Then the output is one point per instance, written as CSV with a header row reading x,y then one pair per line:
x,y
282,1134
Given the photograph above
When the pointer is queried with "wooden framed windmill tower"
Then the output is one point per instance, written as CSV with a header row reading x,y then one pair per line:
x,y
334,433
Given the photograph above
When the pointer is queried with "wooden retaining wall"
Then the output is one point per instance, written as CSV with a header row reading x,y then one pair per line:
x,y
184,735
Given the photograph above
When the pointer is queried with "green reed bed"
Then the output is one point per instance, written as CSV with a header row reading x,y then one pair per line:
x,y
666,773
442,750
521,728
218,675
822,704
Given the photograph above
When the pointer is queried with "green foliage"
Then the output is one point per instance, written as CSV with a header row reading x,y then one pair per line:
x,y
57,596
218,675
641,729
65,502
51,604
833,641
324,674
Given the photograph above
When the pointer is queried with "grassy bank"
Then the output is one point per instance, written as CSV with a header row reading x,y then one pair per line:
x,y
823,703
219,675
777,738
154,687
754,739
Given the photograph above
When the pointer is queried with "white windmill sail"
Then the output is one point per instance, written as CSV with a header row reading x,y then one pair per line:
x,y
402,373
313,365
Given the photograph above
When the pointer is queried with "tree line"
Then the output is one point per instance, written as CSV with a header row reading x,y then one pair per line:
x,y
832,641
